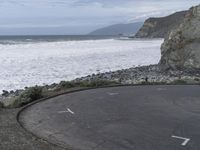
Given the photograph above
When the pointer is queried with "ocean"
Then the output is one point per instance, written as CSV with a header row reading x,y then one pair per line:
x,y
39,60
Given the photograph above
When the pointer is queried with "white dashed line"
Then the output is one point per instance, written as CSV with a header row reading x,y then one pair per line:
x,y
186,140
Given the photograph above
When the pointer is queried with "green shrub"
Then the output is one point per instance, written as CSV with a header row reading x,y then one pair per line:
x,y
29,95
95,83
1,105
66,84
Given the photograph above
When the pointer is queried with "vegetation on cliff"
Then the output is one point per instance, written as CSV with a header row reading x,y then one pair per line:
x,y
160,27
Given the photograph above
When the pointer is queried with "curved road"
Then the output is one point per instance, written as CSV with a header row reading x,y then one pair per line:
x,y
120,118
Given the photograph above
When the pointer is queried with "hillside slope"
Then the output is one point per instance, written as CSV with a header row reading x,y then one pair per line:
x,y
125,29
160,27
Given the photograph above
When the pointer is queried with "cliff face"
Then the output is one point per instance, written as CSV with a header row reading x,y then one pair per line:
x,y
181,49
160,27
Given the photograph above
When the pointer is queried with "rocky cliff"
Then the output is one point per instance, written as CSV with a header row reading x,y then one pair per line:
x,y
181,49
160,27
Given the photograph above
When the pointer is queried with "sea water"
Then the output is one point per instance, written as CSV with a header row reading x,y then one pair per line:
x,y
39,60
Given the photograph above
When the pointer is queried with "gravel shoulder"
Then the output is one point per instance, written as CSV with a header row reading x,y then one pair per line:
x,y
152,74
14,137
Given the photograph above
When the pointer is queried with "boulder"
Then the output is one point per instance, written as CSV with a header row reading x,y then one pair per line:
x,y
181,48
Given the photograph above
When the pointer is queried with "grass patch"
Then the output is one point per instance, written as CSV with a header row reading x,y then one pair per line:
x,y
98,83
179,82
153,83
66,84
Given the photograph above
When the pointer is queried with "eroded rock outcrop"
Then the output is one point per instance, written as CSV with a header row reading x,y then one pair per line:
x,y
181,49
160,27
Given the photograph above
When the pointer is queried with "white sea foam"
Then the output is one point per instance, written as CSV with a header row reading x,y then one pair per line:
x,y
29,64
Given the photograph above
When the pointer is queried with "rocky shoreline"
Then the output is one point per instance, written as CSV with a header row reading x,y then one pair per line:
x,y
152,74
147,74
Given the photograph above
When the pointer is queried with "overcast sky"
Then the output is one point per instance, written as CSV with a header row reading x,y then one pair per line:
x,y
79,16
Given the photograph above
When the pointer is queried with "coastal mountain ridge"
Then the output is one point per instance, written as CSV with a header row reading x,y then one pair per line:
x,y
119,29
160,27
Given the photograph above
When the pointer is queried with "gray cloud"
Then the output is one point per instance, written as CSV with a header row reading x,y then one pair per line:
x,y
83,15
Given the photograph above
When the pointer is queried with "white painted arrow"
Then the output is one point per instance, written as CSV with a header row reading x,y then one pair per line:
x,y
186,140
60,112
67,111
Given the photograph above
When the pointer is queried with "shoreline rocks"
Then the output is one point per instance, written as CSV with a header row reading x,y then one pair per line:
x,y
152,73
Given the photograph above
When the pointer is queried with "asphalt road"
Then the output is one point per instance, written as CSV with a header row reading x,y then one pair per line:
x,y
120,118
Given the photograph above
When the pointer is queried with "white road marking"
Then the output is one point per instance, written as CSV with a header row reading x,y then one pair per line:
x,y
186,140
67,111
112,94
60,112
161,89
